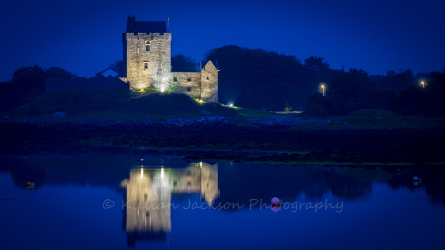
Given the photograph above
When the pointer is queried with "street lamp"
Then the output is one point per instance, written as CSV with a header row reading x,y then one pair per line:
x,y
423,84
323,88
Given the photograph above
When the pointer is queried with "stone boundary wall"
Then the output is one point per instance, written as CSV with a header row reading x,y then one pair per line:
x,y
83,83
182,83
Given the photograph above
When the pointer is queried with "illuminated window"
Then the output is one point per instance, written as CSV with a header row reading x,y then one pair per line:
x,y
145,65
147,47
189,89
175,79
189,79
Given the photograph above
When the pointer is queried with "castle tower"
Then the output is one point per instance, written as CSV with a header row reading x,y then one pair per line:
x,y
147,54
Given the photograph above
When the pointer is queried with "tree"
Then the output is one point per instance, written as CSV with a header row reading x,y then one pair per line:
x,y
315,64
182,63
316,105
30,80
287,108
350,91
56,72
118,63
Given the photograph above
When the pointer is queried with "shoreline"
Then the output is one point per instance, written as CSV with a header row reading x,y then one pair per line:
x,y
239,142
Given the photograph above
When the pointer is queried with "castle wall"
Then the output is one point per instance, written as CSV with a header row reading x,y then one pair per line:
x,y
209,83
182,83
148,68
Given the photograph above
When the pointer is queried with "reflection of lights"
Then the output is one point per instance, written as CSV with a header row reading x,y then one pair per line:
x,y
142,173
162,172
200,164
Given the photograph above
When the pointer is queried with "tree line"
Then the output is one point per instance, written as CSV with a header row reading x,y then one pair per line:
x,y
261,79
26,84
401,93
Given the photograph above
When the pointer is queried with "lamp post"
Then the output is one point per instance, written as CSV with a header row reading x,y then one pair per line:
x,y
423,84
323,88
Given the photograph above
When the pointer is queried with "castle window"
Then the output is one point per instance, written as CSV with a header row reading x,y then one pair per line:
x,y
207,78
189,184
145,65
189,79
175,79
147,47
189,89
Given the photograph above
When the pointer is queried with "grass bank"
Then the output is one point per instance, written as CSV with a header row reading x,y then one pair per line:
x,y
124,105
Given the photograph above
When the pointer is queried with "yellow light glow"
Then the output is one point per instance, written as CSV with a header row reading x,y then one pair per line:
x,y
142,173
200,164
200,101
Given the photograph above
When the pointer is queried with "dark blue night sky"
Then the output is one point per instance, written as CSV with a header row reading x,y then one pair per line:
x,y
84,37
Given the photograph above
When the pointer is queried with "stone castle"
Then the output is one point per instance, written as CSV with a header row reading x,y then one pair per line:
x,y
147,63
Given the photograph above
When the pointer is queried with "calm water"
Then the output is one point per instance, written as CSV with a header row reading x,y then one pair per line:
x,y
110,201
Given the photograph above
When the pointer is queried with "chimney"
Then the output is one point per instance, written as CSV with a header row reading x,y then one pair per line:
x,y
131,24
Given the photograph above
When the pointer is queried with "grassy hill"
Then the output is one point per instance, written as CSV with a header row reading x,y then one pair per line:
x,y
124,105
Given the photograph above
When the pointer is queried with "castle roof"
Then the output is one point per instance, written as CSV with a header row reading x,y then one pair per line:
x,y
151,27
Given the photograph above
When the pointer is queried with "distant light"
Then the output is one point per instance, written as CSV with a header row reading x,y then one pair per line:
x,y
200,164
231,105
162,172
142,90
200,101
142,173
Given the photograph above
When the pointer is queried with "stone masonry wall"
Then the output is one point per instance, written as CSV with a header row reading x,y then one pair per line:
x,y
147,68
181,84
209,83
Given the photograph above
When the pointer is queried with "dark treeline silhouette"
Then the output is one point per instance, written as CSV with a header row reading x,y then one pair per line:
x,y
260,79
256,78
182,63
401,93
27,83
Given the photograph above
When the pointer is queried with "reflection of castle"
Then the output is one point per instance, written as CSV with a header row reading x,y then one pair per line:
x,y
148,198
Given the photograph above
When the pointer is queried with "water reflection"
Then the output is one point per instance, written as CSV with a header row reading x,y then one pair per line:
x,y
147,201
